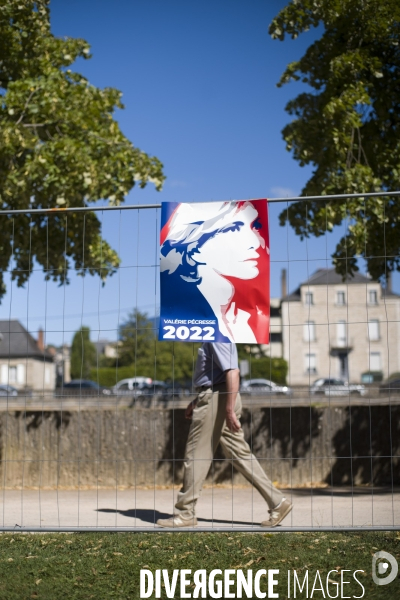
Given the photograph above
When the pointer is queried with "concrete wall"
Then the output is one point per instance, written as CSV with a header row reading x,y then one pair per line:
x,y
146,446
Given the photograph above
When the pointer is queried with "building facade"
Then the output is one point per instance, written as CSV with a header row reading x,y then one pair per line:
x,y
340,329
24,362
274,348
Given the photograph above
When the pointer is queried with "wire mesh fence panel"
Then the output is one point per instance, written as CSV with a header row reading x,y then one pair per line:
x,y
92,405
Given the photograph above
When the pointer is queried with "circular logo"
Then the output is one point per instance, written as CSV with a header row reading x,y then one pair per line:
x,y
381,573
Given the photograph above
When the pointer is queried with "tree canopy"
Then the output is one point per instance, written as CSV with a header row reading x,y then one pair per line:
x,y
59,147
348,126
83,354
140,350
141,354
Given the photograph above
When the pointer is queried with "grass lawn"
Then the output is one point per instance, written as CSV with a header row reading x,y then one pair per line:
x,y
100,566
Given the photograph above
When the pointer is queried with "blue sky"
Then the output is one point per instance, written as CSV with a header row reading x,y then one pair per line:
x,y
199,88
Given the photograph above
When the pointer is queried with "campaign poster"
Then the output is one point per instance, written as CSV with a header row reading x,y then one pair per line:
x,y
214,272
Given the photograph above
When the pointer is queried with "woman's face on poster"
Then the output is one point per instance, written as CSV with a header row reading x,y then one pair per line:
x,y
233,251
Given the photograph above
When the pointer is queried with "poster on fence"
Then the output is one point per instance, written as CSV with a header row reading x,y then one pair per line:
x,y
214,272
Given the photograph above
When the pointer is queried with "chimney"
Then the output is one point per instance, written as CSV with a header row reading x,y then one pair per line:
x,y
389,283
283,284
40,339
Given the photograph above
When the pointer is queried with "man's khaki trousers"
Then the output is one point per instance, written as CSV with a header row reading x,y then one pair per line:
x,y
207,430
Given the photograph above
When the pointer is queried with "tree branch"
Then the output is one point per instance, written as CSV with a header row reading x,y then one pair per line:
x,y
25,107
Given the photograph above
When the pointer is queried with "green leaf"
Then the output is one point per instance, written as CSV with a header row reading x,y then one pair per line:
x,y
59,146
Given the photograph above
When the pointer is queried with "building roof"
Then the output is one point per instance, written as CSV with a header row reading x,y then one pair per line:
x,y
17,342
330,277
293,296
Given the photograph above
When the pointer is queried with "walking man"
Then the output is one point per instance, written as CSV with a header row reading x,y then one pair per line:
x,y
215,415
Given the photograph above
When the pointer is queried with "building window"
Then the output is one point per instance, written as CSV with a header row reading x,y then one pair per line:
x,y
341,333
375,361
311,363
12,375
373,330
309,298
309,331
21,374
4,374
340,298
275,337
373,297
47,374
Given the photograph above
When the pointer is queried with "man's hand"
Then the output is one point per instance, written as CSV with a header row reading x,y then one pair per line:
x,y
189,409
232,388
232,422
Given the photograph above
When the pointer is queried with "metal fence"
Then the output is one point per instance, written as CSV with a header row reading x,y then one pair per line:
x,y
110,458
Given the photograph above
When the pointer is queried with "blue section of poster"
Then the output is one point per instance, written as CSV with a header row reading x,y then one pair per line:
x,y
185,314
214,272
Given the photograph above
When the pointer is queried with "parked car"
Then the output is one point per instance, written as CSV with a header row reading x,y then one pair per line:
x,y
133,386
263,387
176,391
390,387
155,389
372,377
140,389
82,387
336,387
8,390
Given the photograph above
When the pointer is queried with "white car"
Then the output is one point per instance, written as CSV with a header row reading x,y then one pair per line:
x,y
263,387
8,390
132,386
335,387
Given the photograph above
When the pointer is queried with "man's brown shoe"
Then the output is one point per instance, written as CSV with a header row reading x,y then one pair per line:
x,y
177,521
278,513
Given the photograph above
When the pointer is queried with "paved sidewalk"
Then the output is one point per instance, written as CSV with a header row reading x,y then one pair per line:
x,y
218,507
